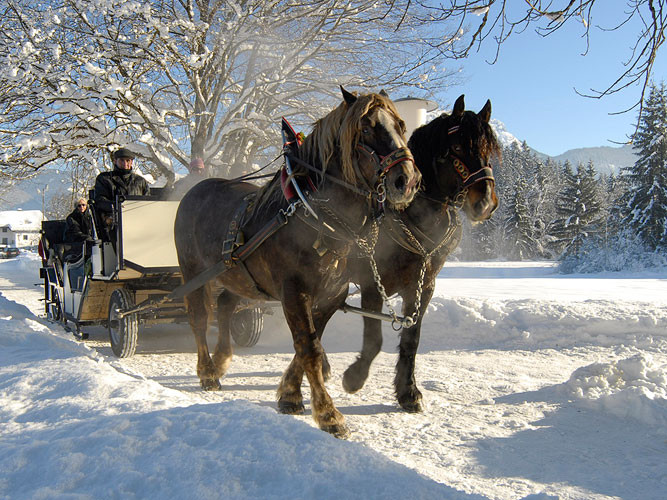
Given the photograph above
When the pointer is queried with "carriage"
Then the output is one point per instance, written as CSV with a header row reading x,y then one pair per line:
x,y
135,282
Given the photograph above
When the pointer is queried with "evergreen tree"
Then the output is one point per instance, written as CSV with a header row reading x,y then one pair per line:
x,y
526,187
579,210
645,204
543,189
592,188
616,189
519,226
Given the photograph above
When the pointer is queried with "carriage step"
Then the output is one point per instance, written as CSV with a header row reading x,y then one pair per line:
x,y
80,335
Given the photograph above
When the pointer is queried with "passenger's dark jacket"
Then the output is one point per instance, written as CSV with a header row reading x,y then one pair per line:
x,y
79,227
117,182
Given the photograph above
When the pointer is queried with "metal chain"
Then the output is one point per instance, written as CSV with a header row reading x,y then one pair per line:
x,y
368,247
426,258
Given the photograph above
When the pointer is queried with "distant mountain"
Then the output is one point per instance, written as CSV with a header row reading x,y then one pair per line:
x,y
27,194
505,138
606,159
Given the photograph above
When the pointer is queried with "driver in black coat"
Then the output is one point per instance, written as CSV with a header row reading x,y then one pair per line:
x,y
121,181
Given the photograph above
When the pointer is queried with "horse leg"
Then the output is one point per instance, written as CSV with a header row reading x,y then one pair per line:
x,y
222,357
356,374
408,395
297,306
321,320
290,400
198,318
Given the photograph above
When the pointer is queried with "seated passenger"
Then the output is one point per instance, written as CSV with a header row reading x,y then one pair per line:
x,y
79,223
79,229
196,173
121,181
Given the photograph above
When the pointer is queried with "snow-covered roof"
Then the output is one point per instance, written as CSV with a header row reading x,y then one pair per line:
x,y
21,220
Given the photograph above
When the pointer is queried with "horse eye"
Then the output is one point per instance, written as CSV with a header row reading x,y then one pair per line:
x,y
366,130
457,148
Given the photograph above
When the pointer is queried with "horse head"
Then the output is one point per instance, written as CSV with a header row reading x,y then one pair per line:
x,y
454,153
367,135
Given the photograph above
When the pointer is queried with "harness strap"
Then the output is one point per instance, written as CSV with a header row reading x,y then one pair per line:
x,y
244,251
234,238
484,173
397,156
385,163
354,189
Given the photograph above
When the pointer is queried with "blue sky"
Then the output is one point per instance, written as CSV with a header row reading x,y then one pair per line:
x,y
531,87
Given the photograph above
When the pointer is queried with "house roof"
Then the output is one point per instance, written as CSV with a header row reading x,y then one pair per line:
x,y
21,220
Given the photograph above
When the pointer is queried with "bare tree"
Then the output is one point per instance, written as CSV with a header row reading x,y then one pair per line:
x,y
185,78
494,21
59,205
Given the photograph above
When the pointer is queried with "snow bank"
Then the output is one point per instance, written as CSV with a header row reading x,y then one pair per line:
x,y
73,426
462,323
634,387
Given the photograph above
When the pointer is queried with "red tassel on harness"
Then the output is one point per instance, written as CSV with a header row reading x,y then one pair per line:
x,y
288,190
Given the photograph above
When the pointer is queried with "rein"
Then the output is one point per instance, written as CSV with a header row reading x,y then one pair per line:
x,y
362,192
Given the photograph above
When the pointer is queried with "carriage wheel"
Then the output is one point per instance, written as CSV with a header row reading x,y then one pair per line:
x,y
55,311
122,331
246,326
51,300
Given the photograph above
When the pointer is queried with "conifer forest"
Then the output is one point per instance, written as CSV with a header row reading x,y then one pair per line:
x,y
589,221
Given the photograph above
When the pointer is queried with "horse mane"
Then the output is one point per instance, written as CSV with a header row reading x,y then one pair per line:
x,y
339,133
333,140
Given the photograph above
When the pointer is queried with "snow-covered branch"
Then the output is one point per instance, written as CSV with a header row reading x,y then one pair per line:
x,y
175,79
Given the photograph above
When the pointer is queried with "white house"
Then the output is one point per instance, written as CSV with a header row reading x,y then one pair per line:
x,y
20,228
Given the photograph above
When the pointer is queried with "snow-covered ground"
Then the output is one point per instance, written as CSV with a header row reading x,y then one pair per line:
x,y
537,385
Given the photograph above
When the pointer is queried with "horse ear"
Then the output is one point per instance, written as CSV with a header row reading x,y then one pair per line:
x,y
485,114
350,98
384,94
459,107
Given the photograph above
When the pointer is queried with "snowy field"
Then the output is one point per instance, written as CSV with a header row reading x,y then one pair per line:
x,y
536,386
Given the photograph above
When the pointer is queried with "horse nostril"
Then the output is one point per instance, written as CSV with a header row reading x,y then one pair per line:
x,y
399,184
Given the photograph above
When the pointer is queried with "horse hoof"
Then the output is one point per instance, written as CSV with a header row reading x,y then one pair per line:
x,y
290,408
339,431
411,405
353,381
211,385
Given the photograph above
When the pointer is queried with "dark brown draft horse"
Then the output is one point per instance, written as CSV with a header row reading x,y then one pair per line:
x,y
302,264
452,153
